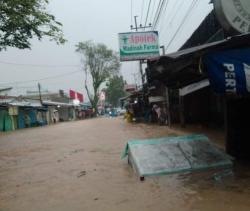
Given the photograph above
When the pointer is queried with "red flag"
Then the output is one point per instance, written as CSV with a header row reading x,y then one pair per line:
x,y
80,97
72,94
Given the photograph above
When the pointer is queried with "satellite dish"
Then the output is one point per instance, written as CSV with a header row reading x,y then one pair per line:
x,y
233,15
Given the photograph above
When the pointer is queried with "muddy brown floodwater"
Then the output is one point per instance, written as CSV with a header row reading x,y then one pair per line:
x,y
77,166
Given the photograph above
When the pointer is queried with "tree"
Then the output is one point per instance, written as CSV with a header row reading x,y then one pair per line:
x,y
21,20
100,63
115,90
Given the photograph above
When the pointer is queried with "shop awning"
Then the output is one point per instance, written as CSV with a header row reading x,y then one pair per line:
x,y
193,87
185,67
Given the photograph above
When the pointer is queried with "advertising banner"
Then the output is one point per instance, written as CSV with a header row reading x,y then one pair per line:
x,y
229,71
138,45
233,14
75,95
130,87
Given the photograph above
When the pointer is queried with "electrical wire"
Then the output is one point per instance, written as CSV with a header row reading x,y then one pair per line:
x,y
36,65
149,4
156,12
192,5
42,79
131,12
51,83
159,14
153,9
142,10
176,12
172,15
166,15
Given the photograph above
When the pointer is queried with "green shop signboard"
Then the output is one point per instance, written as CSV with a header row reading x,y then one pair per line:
x,y
138,45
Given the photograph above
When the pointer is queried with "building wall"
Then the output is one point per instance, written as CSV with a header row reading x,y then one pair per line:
x,y
237,127
206,32
204,107
63,113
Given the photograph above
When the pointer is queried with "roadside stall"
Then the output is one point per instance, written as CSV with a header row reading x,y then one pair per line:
x,y
209,84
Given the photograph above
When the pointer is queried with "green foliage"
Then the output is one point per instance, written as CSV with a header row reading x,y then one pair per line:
x,y
100,63
115,90
21,20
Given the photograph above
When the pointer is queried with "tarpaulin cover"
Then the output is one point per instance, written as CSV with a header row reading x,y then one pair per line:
x,y
2,116
229,71
21,121
6,123
33,119
174,155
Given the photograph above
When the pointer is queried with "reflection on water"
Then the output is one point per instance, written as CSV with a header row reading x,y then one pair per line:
x,y
203,191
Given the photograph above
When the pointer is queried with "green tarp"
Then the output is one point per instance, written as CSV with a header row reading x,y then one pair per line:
x,y
5,121
2,120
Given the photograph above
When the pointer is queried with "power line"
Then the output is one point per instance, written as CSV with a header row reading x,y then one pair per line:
x,y
159,14
163,10
142,9
165,14
42,79
153,9
131,12
31,86
172,13
194,2
37,65
176,12
149,4
51,83
156,12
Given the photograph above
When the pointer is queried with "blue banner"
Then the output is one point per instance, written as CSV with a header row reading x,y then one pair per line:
x,y
229,71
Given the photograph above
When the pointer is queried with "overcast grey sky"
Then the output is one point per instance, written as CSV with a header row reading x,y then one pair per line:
x,y
99,21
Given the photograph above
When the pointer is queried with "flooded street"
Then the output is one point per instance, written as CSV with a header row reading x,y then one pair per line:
x,y
77,166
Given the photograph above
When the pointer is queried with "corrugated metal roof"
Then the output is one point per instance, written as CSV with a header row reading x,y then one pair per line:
x,y
5,89
231,42
193,49
20,102
52,103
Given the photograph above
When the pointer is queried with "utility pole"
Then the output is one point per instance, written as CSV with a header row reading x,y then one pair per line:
x,y
141,72
135,23
136,29
169,119
141,61
135,80
163,49
40,95
140,27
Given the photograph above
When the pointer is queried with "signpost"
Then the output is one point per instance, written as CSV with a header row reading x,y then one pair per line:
x,y
130,87
234,15
138,45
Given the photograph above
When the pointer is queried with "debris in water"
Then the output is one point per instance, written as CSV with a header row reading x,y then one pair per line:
x,y
220,175
177,154
76,151
82,173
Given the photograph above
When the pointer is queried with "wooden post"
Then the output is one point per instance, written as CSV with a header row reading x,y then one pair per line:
x,y
227,138
181,109
168,107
